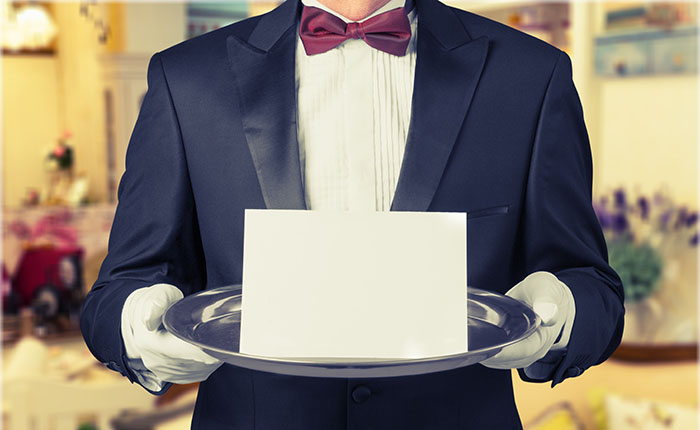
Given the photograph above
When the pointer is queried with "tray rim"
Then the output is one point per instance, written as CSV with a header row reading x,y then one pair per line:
x,y
340,362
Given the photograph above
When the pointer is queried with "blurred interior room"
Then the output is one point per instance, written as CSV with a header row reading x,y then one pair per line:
x,y
73,77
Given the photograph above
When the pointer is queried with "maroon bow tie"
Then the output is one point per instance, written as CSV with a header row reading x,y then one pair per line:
x,y
321,31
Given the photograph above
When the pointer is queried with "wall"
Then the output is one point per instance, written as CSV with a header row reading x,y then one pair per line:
x,y
31,121
151,27
81,93
649,135
260,7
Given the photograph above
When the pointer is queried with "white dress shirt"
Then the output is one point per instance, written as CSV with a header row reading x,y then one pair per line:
x,y
353,112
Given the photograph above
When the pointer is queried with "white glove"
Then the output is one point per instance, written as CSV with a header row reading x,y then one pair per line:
x,y
552,300
155,355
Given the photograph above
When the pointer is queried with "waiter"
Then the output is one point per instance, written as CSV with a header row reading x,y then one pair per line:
x,y
358,105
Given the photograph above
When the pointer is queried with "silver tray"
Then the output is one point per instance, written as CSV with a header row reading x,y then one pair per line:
x,y
211,320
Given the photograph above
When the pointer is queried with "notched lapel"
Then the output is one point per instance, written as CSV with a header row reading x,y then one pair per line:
x,y
447,73
263,69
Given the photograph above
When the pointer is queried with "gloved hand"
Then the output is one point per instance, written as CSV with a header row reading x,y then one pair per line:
x,y
155,355
552,300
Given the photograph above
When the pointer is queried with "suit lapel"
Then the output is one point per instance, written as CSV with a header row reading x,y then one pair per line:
x,y
263,69
448,66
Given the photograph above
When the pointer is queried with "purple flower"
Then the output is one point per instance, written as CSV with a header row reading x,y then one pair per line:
x,y
665,218
692,219
643,204
694,240
605,220
619,222
659,198
604,216
682,217
620,198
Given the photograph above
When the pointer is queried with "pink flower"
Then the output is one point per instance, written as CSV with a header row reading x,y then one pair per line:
x,y
59,151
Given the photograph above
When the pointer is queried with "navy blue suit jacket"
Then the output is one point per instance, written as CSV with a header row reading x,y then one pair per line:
x,y
496,130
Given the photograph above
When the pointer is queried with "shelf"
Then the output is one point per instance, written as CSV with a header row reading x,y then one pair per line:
x,y
28,52
638,34
647,52
478,7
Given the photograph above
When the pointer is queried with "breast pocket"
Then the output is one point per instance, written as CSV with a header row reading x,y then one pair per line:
x,y
490,211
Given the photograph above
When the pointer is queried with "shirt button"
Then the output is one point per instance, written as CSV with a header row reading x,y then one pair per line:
x,y
361,394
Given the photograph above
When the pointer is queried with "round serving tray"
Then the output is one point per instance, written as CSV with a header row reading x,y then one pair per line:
x,y
211,320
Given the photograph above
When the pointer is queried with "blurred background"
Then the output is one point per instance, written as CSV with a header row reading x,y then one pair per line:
x,y
74,74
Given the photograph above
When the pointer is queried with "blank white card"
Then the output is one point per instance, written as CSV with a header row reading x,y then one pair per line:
x,y
354,284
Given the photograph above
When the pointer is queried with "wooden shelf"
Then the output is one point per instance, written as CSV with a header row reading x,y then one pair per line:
x,y
646,353
29,53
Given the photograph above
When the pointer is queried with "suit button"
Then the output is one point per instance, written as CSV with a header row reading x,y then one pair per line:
x,y
573,372
361,394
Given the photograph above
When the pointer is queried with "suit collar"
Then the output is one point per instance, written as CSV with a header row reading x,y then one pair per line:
x,y
273,25
442,23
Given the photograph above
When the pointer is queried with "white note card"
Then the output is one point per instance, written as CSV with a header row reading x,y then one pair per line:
x,y
332,284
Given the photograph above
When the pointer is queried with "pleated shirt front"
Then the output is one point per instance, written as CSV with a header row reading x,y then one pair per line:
x,y
353,114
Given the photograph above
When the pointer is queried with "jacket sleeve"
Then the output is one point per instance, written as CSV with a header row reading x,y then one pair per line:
x,y
560,230
154,237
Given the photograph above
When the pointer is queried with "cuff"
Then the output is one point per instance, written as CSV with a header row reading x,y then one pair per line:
x,y
595,332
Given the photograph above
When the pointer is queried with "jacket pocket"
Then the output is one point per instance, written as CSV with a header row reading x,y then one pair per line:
x,y
494,210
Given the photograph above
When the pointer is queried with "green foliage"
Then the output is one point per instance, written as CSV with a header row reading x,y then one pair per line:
x,y
639,267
